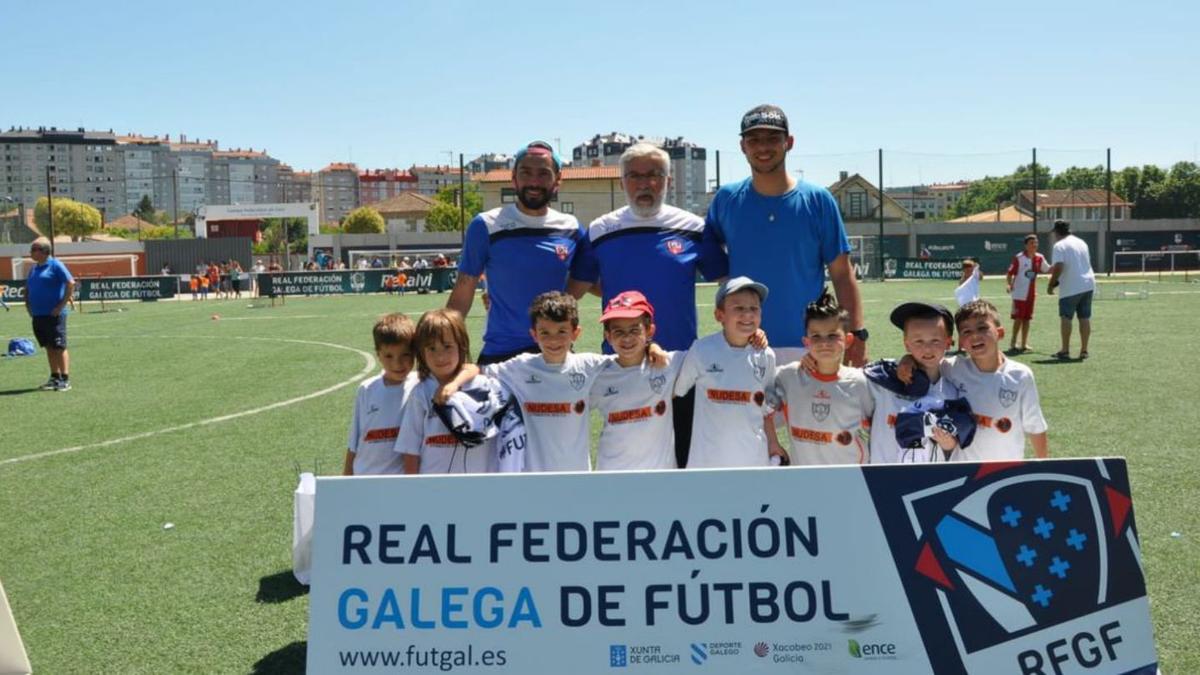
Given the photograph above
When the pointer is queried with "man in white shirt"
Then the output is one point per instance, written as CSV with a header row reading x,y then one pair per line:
x,y
1071,268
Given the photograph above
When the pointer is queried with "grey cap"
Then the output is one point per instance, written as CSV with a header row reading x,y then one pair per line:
x,y
735,284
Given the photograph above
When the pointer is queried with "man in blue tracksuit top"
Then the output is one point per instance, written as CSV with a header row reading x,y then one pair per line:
x,y
656,249
525,249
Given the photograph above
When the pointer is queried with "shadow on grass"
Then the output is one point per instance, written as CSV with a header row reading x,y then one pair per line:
x,y
18,392
279,587
1056,362
287,659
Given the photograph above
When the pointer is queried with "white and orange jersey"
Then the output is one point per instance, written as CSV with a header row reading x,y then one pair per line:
x,y
828,416
731,399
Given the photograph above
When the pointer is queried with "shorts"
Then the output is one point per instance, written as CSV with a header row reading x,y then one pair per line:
x,y
1079,304
51,331
1022,310
237,284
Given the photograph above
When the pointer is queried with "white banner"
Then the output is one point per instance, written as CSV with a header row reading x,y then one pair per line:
x,y
824,570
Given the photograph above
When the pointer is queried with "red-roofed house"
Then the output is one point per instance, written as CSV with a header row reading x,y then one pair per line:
x,y
1073,206
588,192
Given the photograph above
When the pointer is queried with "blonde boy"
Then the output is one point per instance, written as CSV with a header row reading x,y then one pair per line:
x,y
731,378
928,330
1002,392
828,408
379,404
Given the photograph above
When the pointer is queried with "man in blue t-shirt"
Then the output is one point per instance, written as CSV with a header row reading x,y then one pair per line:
x,y
785,234
656,249
525,249
48,289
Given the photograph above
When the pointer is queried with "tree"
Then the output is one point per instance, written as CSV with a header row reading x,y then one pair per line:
x,y
363,220
273,234
145,209
70,217
1079,178
446,216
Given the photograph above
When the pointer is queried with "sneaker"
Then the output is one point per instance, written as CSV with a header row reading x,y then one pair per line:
x,y
62,385
51,384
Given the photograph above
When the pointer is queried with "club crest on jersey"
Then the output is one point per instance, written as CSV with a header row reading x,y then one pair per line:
x,y
760,369
820,411
658,383
562,251
533,379
714,368
577,380
1007,397
1030,549
674,246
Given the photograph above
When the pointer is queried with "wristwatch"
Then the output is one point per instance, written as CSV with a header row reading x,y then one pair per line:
x,y
861,334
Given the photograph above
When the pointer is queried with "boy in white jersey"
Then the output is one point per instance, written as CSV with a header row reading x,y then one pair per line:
x,y
633,396
442,348
553,387
731,378
927,335
828,408
379,404
1021,279
1002,392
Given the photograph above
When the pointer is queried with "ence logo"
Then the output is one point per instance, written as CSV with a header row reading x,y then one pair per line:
x,y
872,651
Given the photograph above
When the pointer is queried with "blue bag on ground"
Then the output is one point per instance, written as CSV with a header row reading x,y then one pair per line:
x,y
21,347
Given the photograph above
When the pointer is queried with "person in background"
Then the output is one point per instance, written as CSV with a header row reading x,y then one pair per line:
x,y
1071,267
48,289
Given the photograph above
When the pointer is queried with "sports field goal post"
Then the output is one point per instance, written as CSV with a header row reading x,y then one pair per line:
x,y
112,265
1157,262
864,256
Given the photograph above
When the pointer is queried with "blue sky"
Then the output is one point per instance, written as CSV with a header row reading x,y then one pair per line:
x,y
949,89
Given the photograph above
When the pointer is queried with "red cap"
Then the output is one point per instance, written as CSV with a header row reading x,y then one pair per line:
x,y
628,305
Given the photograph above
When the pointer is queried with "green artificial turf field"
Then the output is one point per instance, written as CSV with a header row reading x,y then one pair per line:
x,y
179,418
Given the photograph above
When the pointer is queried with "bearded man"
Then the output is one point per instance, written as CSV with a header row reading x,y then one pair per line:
x,y
656,249
525,249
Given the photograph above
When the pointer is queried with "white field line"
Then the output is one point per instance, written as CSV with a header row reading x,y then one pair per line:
x,y
368,368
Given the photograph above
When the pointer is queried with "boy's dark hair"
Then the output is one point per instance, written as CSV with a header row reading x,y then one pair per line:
x,y
825,307
393,329
976,309
554,306
438,324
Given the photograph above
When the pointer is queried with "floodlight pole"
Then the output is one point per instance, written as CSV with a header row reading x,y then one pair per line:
x,y
1035,210
881,274
462,201
1108,204
50,209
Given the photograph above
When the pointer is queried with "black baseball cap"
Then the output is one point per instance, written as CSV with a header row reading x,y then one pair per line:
x,y
765,117
921,310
